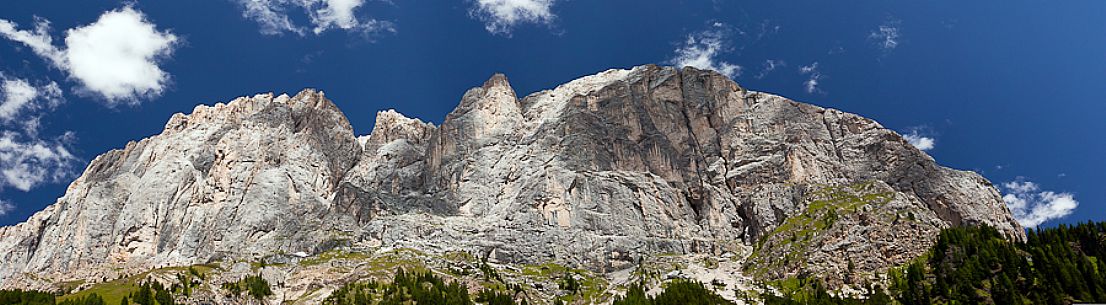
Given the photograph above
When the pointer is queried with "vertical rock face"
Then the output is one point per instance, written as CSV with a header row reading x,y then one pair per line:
x,y
595,173
232,179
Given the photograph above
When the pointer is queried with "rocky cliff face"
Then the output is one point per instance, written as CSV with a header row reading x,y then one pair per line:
x,y
228,180
594,173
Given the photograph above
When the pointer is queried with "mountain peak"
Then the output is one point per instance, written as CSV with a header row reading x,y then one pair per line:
x,y
392,125
595,173
497,80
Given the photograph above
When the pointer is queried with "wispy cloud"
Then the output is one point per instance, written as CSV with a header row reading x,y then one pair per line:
x,y
22,102
919,139
769,66
501,16
6,207
273,16
1031,206
886,36
115,58
701,50
38,40
26,160
814,78
920,142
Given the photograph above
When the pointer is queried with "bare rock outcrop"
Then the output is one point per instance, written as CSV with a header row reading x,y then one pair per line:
x,y
594,173
228,180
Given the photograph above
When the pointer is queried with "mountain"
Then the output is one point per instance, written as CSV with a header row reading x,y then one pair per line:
x,y
601,174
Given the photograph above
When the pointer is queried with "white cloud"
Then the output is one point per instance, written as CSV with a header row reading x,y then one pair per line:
x,y
887,35
769,66
1032,207
25,159
1021,186
809,68
18,95
814,79
338,13
26,162
272,16
501,16
38,40
6,207
21,102
115,57
919,141
701,50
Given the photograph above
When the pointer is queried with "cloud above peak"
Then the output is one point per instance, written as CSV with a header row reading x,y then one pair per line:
x,y
1031,206
920,141
323,15
116,58
814,78
501,16
702,51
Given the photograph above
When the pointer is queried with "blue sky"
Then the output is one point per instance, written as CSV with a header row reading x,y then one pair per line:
x,y
1011,89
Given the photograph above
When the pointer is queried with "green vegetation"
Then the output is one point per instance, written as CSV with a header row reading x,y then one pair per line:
x,y
425,287
490,274
496,297
976,265
569,283
826,207
186,281
973,265
405,288
804,291
151,293
25,297
112,292
678,292
578,283
254,286
332,255
966,265
92,299
69,286
459,256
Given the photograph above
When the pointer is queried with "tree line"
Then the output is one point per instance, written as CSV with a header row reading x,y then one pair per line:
x,y
976,265
967,265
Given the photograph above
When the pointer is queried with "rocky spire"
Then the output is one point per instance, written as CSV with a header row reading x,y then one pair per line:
x,y
391,125
486,116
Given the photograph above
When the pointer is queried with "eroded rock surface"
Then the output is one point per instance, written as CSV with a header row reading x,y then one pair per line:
x,y
594,173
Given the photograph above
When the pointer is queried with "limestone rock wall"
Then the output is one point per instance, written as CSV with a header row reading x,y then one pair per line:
x,y
593,173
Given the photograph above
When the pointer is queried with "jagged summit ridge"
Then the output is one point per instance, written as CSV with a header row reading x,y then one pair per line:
x,y
593,173
391,126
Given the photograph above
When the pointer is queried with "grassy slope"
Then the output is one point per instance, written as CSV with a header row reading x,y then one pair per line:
x,y
114,291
